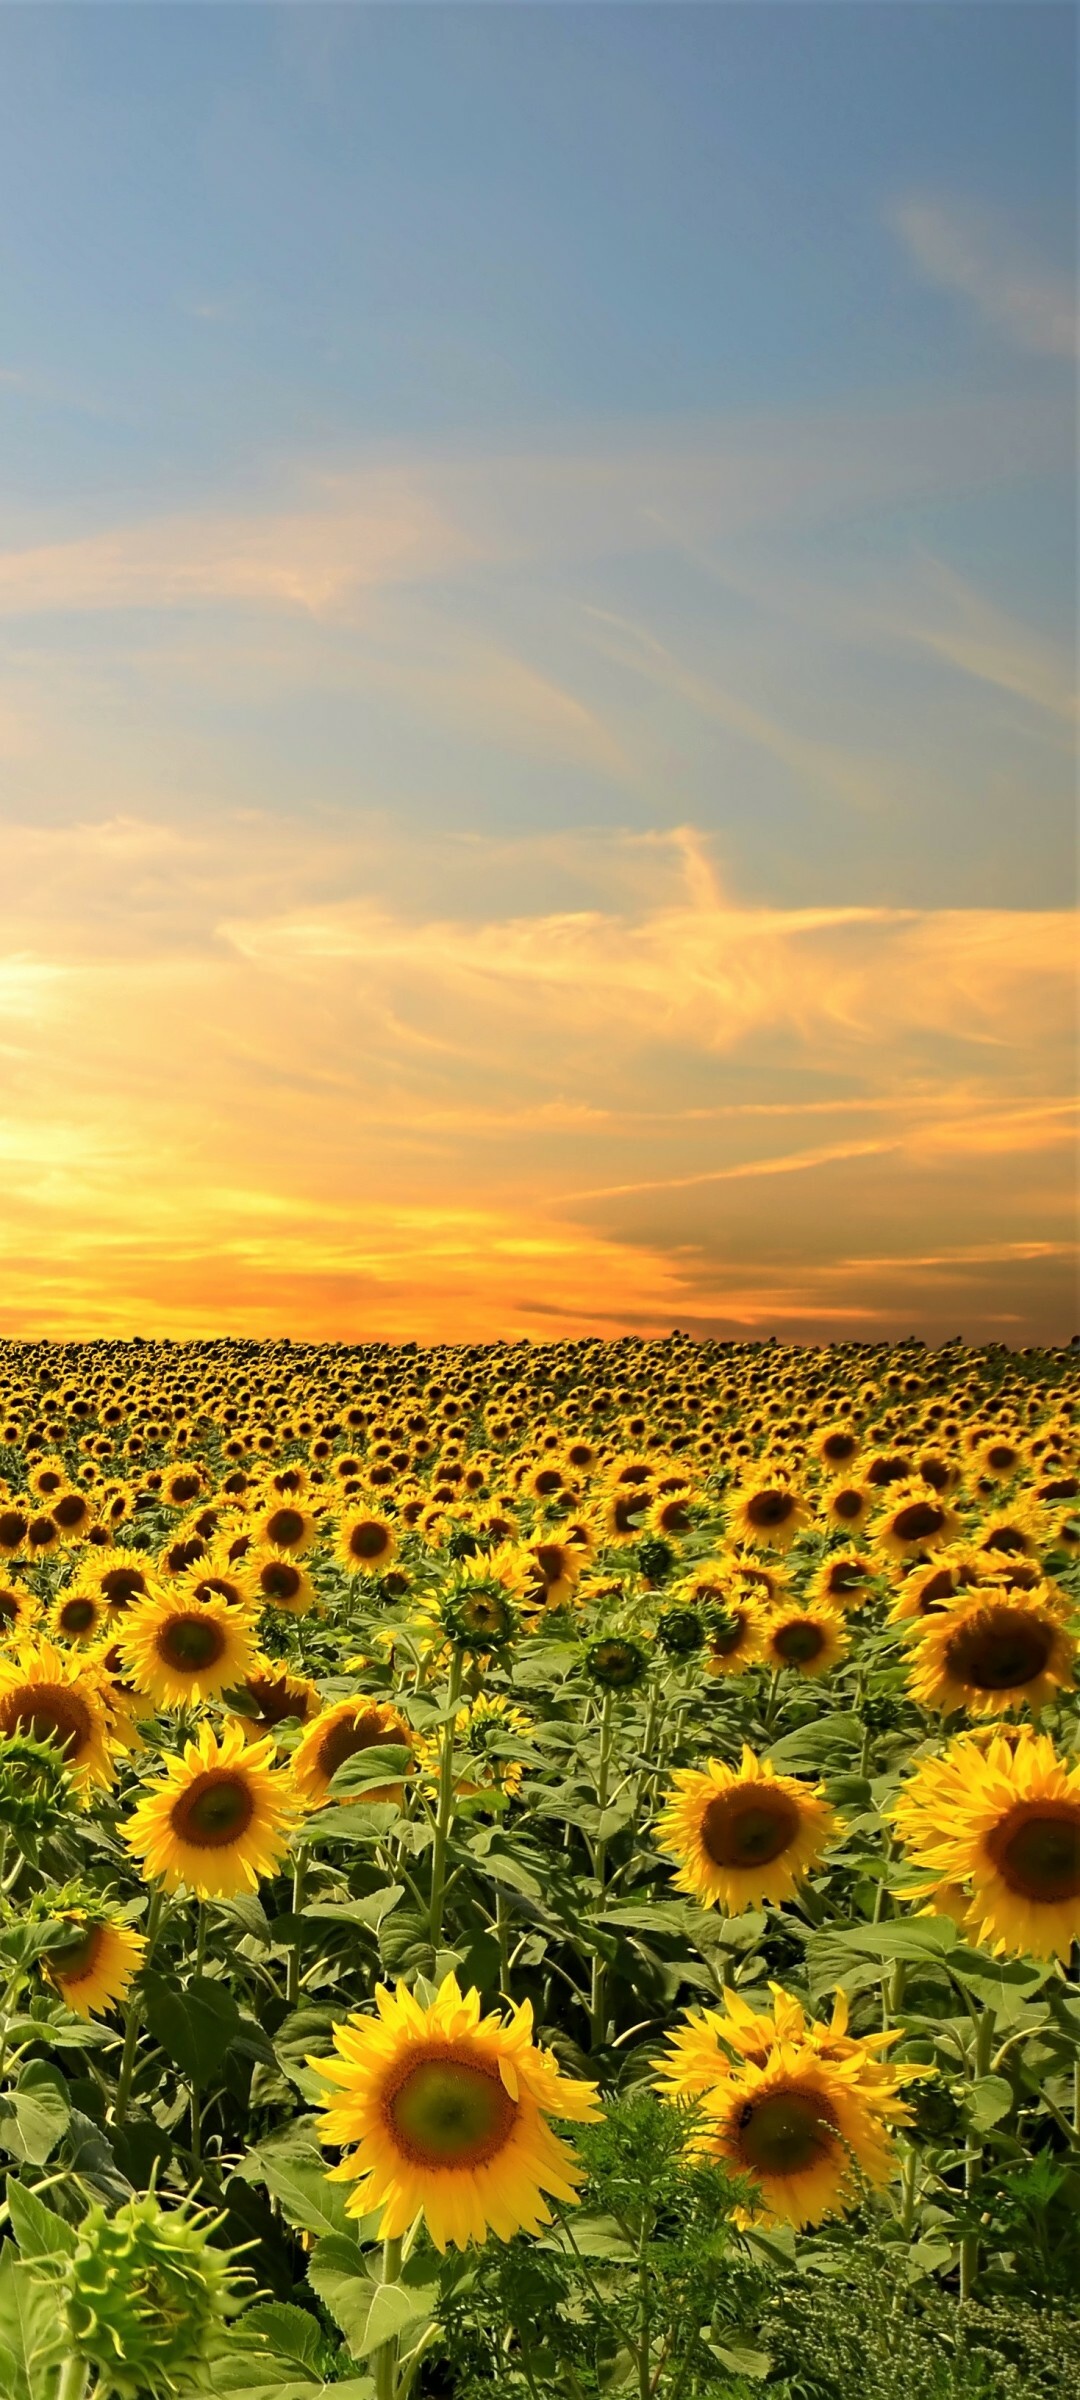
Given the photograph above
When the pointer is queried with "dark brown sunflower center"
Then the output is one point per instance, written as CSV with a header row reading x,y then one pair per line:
x,y
191,1643
13,1528
285,1526
846,1578
77,1616
448,2112
216,1809
368,1539
848,1504
343,1740
49,1482
71,1511
48,1713
184,1487
76,1959
10,1609
1036,1850
1002,1457
42,1532
549,1480
939,1588
279,1581
797,1644
1001,1651
123,1584
726,1633
748,1828
839,1447
919,1522
769,1508
1008,1538
218,1587
786,2133
274,1700
551,1560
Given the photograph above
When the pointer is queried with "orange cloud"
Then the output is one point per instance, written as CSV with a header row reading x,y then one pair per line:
x,y
254,1082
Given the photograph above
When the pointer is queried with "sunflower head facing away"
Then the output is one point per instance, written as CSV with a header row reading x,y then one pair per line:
x,y
743,1834
444,2113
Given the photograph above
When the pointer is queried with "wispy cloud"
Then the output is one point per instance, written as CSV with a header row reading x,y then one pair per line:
x,y
972,252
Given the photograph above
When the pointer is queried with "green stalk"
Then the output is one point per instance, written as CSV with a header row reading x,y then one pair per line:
x,y
72,2382
598,1999
384,2363
292,1970
973,2156
445,1814
502,1936
134,2015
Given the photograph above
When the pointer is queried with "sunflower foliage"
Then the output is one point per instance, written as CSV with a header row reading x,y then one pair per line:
x,y
548,1867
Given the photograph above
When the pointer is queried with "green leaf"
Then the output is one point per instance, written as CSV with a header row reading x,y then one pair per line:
x,y
814,1745
385,1762
291,2333
369,1910
368,2313
990,2100
294,2173
40,2233
32,2339
194,2025
855,1957
41,2113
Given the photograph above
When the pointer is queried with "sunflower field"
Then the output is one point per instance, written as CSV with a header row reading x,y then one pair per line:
x,y
545,1870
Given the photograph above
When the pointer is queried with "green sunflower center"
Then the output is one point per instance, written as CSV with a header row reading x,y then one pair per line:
x,y
216,1809
784,2134
447,2112
1001,1652
749,1828
1036,1850
799,1643
191,1643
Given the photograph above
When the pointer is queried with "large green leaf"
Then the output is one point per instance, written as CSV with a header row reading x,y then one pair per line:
x,y
40,2109
43,2238
32,2339
195,2024
294,2173
368,2313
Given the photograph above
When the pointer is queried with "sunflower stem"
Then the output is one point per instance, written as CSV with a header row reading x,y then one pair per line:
x,y
385,2359
598,1997
134,2015
201,1914
72,2382
445,1812
982,2048
292,1970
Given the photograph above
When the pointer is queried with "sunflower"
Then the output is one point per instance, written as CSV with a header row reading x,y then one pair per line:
x,y
18,1611
366,1542
767,1513
713,2044
342,1732
93,1968
274,1580
444,2113
743,1834
483,1730
58,1698
78,1616
1004,1822
992,1650
799,2130
180,1650
14,1527
48,1478
217,1819
270,1696
72,1516
622,1511
121,1576
1010,1533
836,1446
287,1526
844,1579
810,1640
936,1583
181,1485
735,1637
915,1520
555,1565
846,1505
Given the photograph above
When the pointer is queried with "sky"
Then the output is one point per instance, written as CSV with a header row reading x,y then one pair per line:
x,y
537,670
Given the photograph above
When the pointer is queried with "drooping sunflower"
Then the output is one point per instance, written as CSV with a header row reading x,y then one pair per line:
x,y
55,1697
799,2129
342,1732
273,1580
1003,1822
991,1650
94,1967
810,1640
767,1512
179,1650
743,1834
217,1819
444,2113
275,1697
366,1542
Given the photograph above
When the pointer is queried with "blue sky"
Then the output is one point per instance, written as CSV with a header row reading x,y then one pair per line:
x,y
515,472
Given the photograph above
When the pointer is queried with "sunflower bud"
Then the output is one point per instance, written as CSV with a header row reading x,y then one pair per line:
x,y
680,1632
144,2292
616,1662
35,1789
